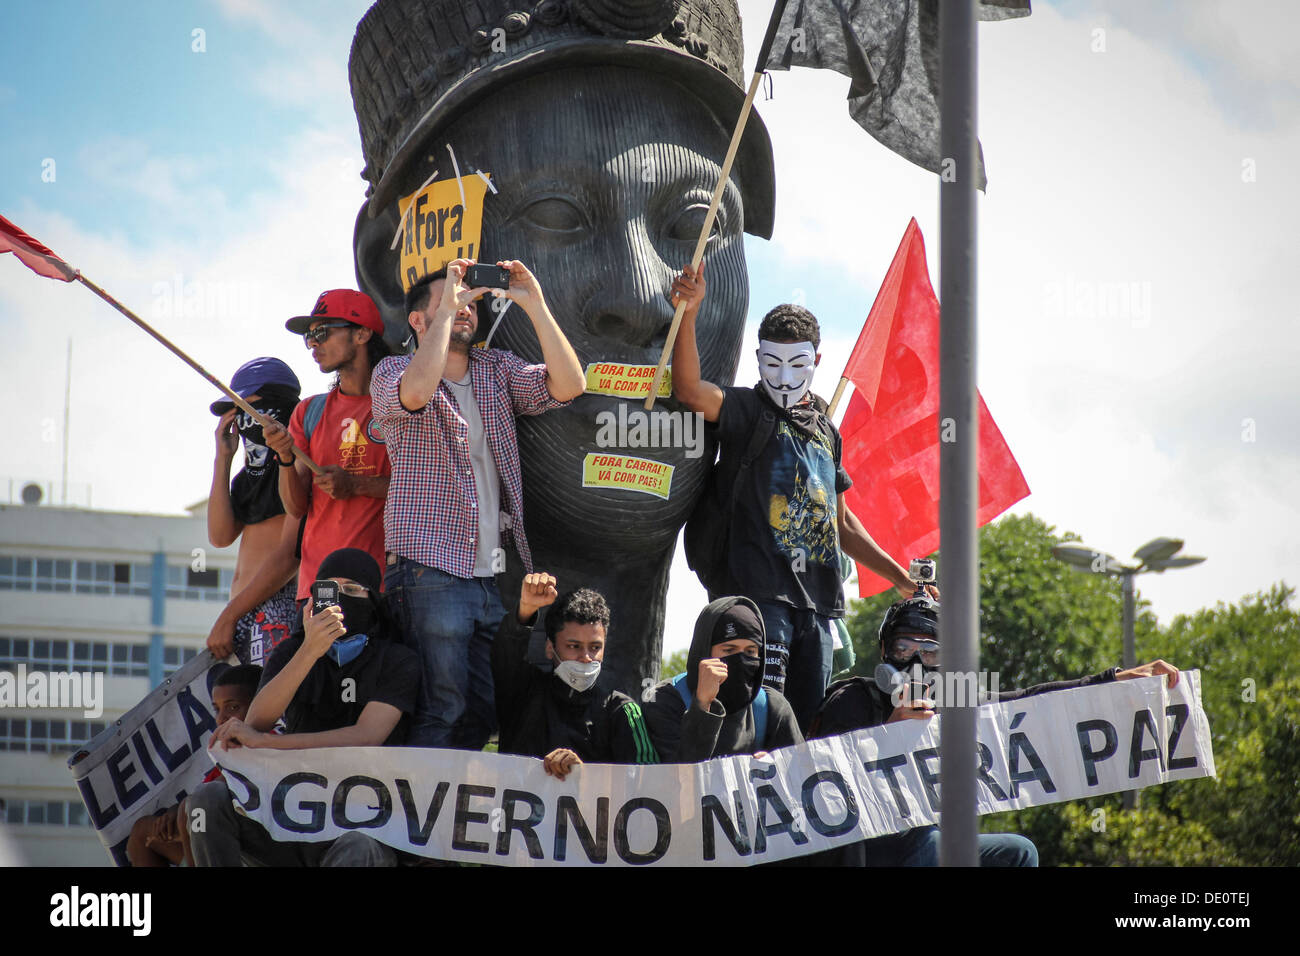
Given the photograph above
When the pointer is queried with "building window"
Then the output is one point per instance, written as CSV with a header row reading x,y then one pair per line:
x,y
122,578
52,813
96,657
20,735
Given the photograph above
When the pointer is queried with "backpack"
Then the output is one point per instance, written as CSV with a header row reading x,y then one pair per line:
x,y
759,705
312,416
707,536
310,419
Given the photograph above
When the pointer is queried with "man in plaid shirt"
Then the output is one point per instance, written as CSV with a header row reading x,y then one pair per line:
x,y
456,496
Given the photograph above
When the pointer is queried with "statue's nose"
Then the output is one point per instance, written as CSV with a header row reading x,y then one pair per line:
x,y
630,306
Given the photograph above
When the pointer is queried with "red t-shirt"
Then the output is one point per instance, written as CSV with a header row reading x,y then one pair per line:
x,y
348,436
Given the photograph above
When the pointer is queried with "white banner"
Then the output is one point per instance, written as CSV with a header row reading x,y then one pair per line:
x,y
151,756
734,811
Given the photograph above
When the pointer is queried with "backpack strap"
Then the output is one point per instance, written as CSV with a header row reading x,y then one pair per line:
x,y
762,434
759,705
760,718
312,416
679,685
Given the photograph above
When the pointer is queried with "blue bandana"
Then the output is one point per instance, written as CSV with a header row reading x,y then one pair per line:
x,y
347,649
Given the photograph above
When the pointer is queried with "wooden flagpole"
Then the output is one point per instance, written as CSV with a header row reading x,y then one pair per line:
x,y
257,416
732,149
835,399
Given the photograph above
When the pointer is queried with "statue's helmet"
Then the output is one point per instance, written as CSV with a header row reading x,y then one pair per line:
x,y
418,64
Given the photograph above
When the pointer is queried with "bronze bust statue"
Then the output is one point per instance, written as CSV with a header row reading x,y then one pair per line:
x,y
603,124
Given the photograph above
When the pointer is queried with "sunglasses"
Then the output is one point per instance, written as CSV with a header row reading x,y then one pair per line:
x,y
322,332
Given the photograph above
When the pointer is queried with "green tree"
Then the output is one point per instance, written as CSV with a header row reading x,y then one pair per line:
x,y
1246,654
1040,620
673,664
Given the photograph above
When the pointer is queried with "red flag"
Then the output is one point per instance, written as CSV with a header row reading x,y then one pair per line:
x,y
40,259
891,429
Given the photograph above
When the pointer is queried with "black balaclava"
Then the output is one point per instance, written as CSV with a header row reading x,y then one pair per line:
x,y
744,673
359,614
255,491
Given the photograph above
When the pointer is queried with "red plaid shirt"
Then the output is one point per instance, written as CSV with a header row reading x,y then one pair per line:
x,y
432,505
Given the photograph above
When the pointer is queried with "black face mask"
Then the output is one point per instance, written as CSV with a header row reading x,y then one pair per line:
x,y
255,492
358,614
249,429
744,674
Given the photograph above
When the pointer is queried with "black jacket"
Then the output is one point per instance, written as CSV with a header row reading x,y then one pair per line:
x,y
857,702
538,712
689,735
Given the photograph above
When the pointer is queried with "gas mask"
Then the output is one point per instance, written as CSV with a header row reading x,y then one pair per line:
x,y
907,660
787,370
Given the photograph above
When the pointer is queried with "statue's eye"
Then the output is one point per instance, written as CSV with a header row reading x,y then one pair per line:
x,y
686,225
554,214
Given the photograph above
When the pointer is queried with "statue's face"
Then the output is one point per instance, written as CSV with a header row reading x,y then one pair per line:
x,y
604,177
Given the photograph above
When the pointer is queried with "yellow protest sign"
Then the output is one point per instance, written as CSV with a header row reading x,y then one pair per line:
x,y
437,227
631,474
626,381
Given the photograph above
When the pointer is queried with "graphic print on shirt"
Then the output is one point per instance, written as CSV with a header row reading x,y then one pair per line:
x,y
801,509
353,449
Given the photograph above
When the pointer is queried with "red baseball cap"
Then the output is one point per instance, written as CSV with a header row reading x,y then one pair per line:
x,y
346,304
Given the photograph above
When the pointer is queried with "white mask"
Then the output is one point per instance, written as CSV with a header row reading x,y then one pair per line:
x,y
577,675
787,370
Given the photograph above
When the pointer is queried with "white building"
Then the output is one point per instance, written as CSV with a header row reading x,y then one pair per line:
x,y
130,596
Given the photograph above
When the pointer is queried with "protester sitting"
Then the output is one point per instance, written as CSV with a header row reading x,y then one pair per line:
x,y
340,682
568,716
262,610
718,706
909,646
160,840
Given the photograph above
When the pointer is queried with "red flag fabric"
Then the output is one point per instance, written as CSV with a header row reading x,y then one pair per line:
x,y
40,259
891,428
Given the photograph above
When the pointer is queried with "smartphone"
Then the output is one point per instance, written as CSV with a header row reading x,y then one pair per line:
x,y
324,594
487,276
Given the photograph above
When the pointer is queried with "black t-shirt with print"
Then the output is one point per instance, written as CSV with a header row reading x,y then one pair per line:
x,y
384,671
784,535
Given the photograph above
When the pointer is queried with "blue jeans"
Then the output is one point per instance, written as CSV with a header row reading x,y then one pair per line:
x,y
450,622
920,847
800,645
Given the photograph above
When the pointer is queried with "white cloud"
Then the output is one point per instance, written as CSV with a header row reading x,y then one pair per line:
x,y
1135,301
140,432
1106,170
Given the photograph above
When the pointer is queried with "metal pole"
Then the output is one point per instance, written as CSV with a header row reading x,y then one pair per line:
x,y
1130,652
958,486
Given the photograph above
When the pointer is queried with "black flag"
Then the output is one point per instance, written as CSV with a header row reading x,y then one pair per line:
x,y
890,50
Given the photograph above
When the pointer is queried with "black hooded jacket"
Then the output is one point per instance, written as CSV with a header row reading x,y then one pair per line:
x,y
537,712
856,703
689,735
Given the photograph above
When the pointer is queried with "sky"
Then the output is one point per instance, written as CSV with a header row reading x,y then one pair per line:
x,y
1136,340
